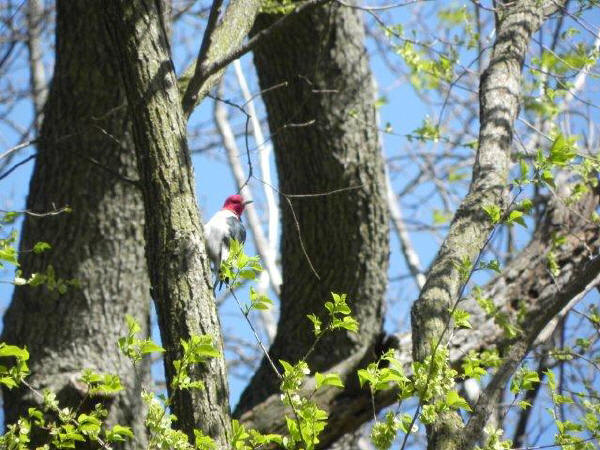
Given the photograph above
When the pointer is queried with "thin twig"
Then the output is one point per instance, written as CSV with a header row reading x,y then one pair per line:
x,y
18,147
54,212
264,152
16,166
382,7
262,347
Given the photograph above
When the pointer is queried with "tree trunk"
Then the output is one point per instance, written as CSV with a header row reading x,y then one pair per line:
x,y
177,260
326,144
84,158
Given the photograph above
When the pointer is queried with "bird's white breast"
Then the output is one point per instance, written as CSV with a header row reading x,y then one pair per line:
x,y
216,228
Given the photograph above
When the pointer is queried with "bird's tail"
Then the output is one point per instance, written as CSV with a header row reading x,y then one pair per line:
x,y
218,284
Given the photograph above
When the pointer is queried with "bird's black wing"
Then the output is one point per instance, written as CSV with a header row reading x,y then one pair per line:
x,y
237,230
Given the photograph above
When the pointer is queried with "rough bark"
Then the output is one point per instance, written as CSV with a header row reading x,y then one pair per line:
x,y
325,139
84,155
526,278
499,105
175,251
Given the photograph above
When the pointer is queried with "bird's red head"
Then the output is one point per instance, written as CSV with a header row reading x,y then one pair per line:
x,y
236,204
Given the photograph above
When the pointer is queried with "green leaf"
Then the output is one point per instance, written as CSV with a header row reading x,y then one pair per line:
x,y
461,318
118,433
9,254
9,382
524,168
516,216
526,205
552,263
563,150
203,441
316,323
259,440
455,401
239,435
149,346
440,217
365,376
384,433
524,378
9,217
259,301
348,323
287,367
428,131
493,212
428,414
561,399
12,350
523,404
109,384
329,379
491,265
132,324
40,247
548,178
465,266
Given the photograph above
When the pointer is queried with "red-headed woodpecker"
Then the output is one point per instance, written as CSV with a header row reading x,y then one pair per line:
x,y
225,225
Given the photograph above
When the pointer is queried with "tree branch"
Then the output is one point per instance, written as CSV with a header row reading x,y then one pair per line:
x,y
195,84
219,41
499,104
410,255
39,89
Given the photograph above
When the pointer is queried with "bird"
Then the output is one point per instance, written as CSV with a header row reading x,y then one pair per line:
x,y
224,226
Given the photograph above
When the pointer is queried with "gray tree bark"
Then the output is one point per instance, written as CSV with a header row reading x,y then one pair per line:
x,y
84,158
177,259
335,225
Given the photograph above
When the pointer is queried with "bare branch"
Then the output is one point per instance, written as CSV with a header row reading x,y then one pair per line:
x,y
16,148
264,152
410,255
37,75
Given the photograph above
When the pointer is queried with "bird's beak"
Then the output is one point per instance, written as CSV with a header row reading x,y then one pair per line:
x,y
247,202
